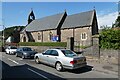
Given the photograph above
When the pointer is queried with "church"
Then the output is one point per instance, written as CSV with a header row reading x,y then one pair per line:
x,y
59,27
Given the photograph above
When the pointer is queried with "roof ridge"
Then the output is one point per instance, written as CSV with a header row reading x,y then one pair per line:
x,y
50,15
82,12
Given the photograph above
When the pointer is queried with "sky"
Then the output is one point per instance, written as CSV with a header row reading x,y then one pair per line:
x,y
16,13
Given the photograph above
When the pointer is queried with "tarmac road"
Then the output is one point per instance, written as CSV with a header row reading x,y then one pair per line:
x,y
16,68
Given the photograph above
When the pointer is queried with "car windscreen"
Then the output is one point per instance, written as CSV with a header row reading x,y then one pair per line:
x,y
68,53
27,49
13,48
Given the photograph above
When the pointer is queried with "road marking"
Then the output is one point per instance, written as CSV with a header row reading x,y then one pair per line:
x,y
20,59
13,61
38,74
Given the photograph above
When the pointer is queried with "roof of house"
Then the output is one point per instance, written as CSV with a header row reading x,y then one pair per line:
x,y
79,20
49,22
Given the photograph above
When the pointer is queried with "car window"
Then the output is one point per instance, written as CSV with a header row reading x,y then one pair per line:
x,y
68,53
19,49
13,48
48,52
54,53
27,49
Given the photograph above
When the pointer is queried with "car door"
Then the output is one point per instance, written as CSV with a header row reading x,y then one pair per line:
x,y
53,57
45,56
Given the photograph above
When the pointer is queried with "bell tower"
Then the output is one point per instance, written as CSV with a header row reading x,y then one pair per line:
x,y
31,17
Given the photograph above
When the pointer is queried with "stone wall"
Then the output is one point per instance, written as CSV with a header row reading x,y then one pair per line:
x,y
0,49
66,33
46,37
42,48
35,35
110,56
76,33
79,31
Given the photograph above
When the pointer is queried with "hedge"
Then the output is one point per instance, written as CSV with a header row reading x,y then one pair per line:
x,y
60,44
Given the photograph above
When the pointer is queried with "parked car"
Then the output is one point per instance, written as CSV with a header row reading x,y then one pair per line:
x,y
61,59
10,50
25,52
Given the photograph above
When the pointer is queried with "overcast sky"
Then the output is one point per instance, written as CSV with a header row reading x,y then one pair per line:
x,y
16,13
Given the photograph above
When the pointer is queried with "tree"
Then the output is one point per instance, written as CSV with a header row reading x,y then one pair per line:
x,y
10,31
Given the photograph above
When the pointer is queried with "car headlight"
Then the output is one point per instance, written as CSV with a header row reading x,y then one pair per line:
x,y
25,53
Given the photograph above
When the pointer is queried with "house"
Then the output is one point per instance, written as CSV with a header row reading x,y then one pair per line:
x,y
81,26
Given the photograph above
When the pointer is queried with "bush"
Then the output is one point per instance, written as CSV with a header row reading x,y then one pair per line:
x,y
60,44
110,39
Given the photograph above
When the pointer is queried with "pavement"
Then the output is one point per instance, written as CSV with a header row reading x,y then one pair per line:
x,y
102,66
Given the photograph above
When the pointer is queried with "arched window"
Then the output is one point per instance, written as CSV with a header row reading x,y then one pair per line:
x,y
50,35
24,39
39,36
83,36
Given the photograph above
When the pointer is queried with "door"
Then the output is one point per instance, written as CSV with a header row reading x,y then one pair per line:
x,y
53,57
45,56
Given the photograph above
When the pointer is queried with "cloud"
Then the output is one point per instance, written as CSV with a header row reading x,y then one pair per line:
x,y
107,19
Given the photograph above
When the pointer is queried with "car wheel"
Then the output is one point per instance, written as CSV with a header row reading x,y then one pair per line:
x,y
59,66
37,60
23,57
9,53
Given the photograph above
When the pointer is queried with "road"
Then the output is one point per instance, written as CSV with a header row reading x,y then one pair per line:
x,y
14,67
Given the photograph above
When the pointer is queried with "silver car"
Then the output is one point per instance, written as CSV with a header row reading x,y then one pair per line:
x,y
61,59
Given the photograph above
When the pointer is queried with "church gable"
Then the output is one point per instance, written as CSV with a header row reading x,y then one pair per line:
x,y
79,20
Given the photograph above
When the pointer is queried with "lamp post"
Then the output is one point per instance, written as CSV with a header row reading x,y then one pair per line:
x,y
2,35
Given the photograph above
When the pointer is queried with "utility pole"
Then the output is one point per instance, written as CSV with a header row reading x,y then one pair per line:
x,y
3,35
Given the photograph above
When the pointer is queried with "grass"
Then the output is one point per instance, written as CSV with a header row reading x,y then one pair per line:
x,y
60,44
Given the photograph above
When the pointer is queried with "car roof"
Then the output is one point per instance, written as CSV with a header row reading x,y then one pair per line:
x,y
58,49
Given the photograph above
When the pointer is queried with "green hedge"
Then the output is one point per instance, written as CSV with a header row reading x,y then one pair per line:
x,y
110,39
61,44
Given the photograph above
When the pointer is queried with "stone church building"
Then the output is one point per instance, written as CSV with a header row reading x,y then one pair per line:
x,y
82,26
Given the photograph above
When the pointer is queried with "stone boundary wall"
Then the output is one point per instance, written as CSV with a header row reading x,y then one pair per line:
x,y
41,48
110,56
0,49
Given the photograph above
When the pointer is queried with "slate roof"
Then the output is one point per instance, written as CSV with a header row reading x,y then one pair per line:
x,y
79,20
49,22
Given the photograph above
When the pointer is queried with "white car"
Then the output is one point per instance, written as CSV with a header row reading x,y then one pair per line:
x,y
61,59
11,50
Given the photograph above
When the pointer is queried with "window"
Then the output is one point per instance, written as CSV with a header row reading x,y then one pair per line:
x,y
50,35
83,36
27,49
39,36
68,53
48,52
54,53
